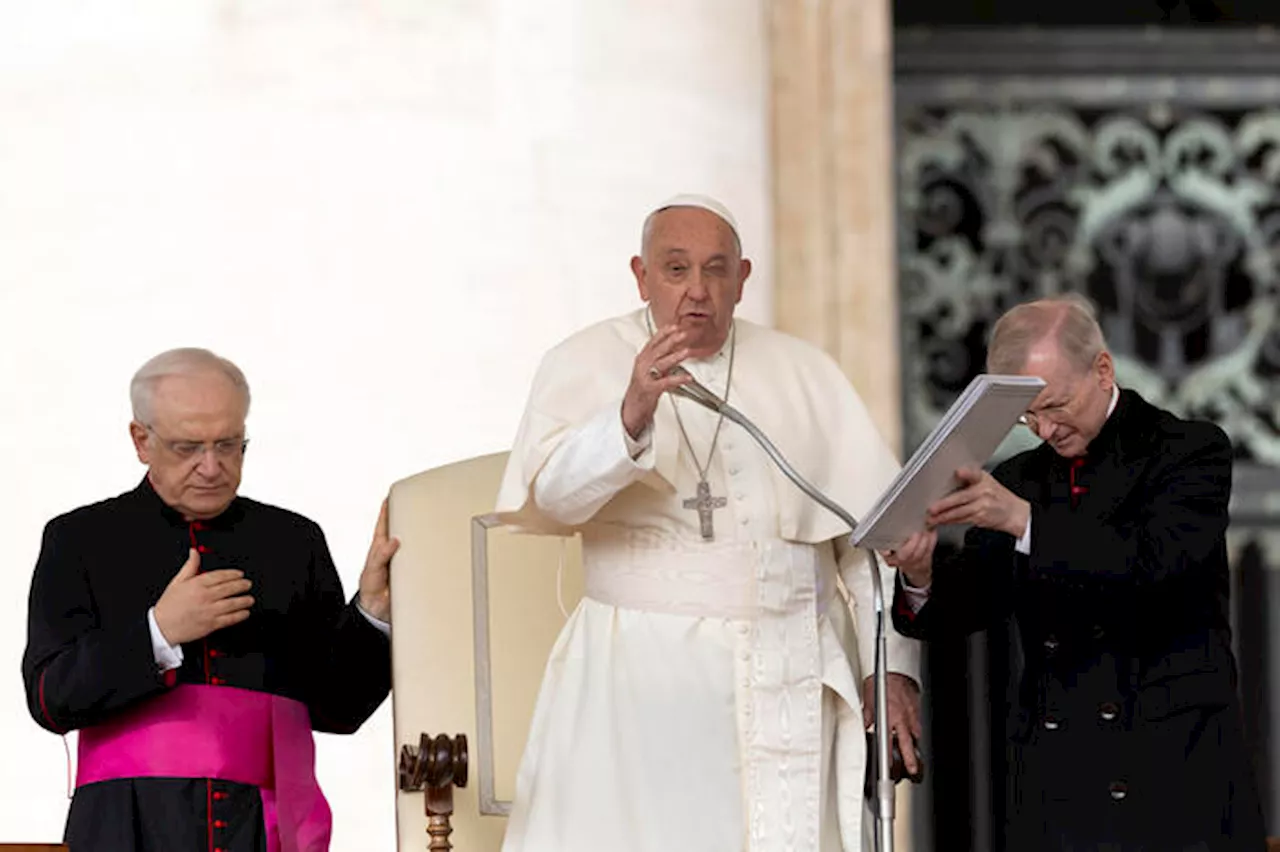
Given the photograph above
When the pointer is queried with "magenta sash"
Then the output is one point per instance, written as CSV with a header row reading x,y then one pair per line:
x,y
227,734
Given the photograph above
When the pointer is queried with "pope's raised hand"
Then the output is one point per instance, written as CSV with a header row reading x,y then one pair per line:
x,y
651,377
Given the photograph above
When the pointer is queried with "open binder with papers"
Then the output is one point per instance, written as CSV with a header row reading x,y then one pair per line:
x,y
966,436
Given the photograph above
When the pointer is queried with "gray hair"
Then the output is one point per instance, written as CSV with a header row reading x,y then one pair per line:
x,y
1070,320
187,361
650,221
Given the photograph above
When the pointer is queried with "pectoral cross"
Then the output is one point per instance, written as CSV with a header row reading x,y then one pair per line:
x,y
705,504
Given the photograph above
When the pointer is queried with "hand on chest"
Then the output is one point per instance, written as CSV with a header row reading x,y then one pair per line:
x,y
127,576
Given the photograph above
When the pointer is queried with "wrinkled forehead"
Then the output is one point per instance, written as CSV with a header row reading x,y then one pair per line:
x,y
205,396
1060,373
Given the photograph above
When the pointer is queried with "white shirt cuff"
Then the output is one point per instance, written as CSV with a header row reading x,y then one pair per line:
x,y
916,596
382,626
637,446
167,656
1024,543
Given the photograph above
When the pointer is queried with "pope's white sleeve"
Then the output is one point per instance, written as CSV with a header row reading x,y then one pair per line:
x,y
592,464
903,653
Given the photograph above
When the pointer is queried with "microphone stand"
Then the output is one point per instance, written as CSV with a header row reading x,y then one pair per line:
x,y
698,393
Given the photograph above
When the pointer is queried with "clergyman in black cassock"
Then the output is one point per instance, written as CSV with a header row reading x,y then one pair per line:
x,y
126,648
1106,544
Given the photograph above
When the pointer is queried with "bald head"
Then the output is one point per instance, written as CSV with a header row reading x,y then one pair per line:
x,y
187,362
1067,322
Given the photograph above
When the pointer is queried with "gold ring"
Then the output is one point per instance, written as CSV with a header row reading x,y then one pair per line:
x,y
655,373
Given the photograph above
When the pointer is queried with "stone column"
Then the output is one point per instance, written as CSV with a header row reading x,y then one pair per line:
x,y
835,281
833,190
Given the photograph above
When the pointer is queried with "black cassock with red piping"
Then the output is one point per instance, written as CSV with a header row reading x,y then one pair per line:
x,y
89,654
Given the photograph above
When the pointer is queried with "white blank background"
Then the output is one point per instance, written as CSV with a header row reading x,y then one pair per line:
x,y
383,211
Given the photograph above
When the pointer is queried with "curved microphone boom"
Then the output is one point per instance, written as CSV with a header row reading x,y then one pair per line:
x,y
695,391
699,393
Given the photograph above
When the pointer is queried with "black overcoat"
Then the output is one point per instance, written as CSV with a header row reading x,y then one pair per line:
x,y
1126,729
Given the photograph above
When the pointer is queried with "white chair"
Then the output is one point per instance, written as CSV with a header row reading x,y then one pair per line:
x,y
476,611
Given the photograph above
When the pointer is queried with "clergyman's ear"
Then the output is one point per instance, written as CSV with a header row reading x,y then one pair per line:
x,y
638,270
139,435
1106,367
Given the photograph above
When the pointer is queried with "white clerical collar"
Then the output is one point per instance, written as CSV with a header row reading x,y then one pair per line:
x,y
1115,397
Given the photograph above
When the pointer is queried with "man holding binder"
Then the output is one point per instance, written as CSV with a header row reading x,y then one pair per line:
x,y
1107,545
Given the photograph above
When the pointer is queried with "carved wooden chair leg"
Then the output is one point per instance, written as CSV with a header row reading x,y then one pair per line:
x,y
436,766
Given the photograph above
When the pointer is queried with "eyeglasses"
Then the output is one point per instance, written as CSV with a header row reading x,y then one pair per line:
x,y
1049,414
226,449
1033,421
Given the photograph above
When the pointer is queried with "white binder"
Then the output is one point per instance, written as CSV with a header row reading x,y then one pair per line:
x,y
966,436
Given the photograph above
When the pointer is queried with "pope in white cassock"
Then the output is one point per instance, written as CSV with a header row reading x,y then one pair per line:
x,y
707,693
